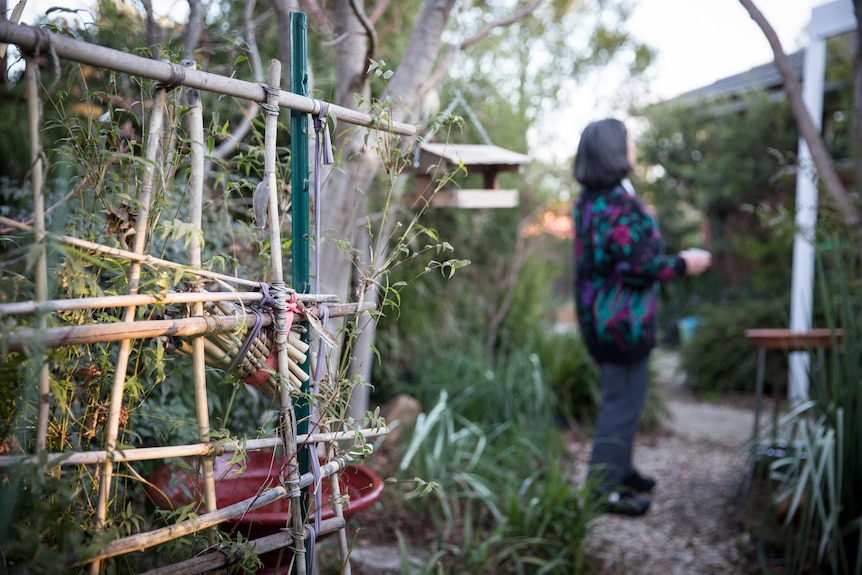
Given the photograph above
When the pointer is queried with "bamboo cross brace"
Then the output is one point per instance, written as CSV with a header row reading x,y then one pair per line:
x,y
141,541
30,38
189,450
26,307
53,337
218,560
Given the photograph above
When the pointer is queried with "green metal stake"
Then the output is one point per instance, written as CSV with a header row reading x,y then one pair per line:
x,y
300,208
299,152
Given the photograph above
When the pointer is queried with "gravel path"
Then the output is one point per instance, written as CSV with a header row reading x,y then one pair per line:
x,y
692,526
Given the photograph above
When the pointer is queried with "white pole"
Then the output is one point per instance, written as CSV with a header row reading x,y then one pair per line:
x,y
827,20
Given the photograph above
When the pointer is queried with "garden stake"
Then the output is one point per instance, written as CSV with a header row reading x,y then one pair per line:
x,y
37,167
279,293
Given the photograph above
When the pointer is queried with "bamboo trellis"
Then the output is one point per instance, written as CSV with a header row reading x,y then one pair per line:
x,y
292,361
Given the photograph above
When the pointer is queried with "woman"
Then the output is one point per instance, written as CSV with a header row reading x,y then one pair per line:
x,y
619,263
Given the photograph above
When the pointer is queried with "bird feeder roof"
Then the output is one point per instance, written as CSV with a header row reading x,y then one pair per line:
x,y
485,157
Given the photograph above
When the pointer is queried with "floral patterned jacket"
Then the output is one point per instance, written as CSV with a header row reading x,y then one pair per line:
x,y
619,260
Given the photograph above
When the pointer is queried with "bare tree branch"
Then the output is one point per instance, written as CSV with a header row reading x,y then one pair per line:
x,y
369,31
194,28
446,61
235,137
807,128
313,8
283,8
378,11
501,23
154,31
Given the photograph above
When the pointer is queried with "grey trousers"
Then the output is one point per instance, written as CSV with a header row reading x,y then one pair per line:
x,y
623,396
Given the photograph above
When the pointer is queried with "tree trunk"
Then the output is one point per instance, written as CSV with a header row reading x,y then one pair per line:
x,y
194,28
857,99
347,188
283,8
3,48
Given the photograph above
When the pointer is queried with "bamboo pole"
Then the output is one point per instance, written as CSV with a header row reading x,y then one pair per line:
x,y
53,337
141,541
37,167
29,38
265,544
195,119
48,306
190,450
286,423
117,390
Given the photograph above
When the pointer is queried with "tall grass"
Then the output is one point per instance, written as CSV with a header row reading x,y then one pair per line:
x,y
822,477
488,467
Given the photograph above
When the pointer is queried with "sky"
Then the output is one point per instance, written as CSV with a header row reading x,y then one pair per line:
x,y
697,43
700,41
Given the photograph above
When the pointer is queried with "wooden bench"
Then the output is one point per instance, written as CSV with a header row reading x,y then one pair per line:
x,y
786,340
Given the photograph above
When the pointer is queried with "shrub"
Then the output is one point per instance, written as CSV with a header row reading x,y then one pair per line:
x,y
571,373
719,359
500,501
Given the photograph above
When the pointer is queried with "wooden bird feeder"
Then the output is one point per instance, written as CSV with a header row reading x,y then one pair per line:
x,y
434,160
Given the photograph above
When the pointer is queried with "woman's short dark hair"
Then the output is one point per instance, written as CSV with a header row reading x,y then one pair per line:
x,y
602,159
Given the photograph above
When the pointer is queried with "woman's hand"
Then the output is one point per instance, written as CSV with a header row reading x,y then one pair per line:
x,y
697,261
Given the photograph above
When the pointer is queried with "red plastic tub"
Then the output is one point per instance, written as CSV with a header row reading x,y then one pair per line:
x,y
173,486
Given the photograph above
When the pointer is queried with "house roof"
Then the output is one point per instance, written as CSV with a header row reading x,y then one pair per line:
x,y
763,78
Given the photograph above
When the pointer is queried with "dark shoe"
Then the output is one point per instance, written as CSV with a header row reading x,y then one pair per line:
x,y
624,504
639,483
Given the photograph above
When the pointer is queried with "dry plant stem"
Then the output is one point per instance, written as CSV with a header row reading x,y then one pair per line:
x,y
196,193
29,38
118,387
146,259
218,560
37,167
141,541
190,450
